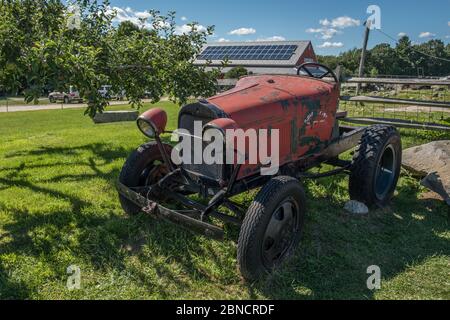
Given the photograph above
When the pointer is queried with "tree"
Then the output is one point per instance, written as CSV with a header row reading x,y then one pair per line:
x,y
383,58
404,59
126,29
48,52
236,73
434,48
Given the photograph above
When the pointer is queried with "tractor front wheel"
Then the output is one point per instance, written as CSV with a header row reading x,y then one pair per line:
x,y
144,167
272,227
376,166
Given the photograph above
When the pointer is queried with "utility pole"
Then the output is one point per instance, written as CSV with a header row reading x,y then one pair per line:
x,y
367,24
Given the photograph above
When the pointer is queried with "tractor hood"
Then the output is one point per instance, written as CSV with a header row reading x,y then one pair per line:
x,y
256,99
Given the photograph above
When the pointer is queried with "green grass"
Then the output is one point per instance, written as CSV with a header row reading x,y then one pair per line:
x,y
19,101
59,207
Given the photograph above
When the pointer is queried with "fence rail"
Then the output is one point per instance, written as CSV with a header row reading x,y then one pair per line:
x,y
408,82
399,123
395,101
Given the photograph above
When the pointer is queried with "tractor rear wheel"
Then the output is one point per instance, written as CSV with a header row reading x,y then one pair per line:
x,y
272,227
144,167
376,166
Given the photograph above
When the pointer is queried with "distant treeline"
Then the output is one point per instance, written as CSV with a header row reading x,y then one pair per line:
x,y
405,59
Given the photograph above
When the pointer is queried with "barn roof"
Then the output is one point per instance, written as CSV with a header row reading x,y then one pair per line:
x,y
264,54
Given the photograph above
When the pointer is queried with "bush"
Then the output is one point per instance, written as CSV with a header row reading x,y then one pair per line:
x,y
236,73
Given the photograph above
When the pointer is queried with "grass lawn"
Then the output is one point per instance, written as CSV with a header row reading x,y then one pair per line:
x,y
21,102
59,207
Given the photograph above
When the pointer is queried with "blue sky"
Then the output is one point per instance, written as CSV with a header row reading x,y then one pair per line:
x,y
333,26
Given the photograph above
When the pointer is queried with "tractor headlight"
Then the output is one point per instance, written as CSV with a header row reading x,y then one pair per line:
x,y
152,122
146,127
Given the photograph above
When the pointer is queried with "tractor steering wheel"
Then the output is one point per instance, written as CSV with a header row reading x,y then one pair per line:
x,y
327,71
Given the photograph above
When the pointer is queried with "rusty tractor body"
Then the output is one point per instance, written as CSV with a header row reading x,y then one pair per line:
x,y
304,110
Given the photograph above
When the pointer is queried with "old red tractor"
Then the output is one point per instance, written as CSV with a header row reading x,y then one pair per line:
x,y
304,110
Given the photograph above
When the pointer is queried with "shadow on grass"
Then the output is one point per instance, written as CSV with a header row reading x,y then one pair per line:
x,y
331,263
104,240
337,248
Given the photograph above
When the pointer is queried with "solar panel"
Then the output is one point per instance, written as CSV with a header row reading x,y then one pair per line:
x,y
260,52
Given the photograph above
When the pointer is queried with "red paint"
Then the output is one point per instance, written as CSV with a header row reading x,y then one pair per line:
x,y
223,124
303,109
157,117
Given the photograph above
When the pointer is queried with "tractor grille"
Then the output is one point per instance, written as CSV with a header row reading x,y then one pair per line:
x,y
186,121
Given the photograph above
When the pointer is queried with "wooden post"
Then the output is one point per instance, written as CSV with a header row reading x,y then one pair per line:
x,y
367,24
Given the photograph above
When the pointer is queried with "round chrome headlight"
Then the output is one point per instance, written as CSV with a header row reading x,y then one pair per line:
x,y
146,127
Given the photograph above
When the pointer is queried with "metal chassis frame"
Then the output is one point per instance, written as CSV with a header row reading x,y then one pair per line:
x,y
195,218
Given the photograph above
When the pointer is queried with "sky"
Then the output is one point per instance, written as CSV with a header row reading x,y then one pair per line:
x,y
332,26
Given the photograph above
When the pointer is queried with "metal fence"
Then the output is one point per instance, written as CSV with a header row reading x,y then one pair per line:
x,y
408,103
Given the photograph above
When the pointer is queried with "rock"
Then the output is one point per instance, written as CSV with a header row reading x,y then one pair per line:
x,y
433,182
355,207
116,116
430,158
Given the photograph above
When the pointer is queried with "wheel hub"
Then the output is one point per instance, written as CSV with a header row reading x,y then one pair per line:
x,y
154,173
385,174
280,232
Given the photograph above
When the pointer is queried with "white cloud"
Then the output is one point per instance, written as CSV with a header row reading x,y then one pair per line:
x,y
340,22
242,31
274,38
186,29
312,30
330,28
426,35
449,23
402,34
128,14
223,40
142,15
325,33
327,45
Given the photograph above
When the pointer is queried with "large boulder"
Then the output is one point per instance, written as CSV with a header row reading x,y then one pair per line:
x,y
116,116
430,158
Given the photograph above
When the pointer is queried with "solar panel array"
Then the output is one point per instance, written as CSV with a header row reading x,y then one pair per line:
x,y
255,52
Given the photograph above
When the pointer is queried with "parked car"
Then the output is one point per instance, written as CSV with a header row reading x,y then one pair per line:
x,y
147,94
72,96
304,110
107,92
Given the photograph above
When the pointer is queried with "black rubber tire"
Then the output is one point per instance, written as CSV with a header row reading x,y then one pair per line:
x,y
250,251
133,169
52,100
366,160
